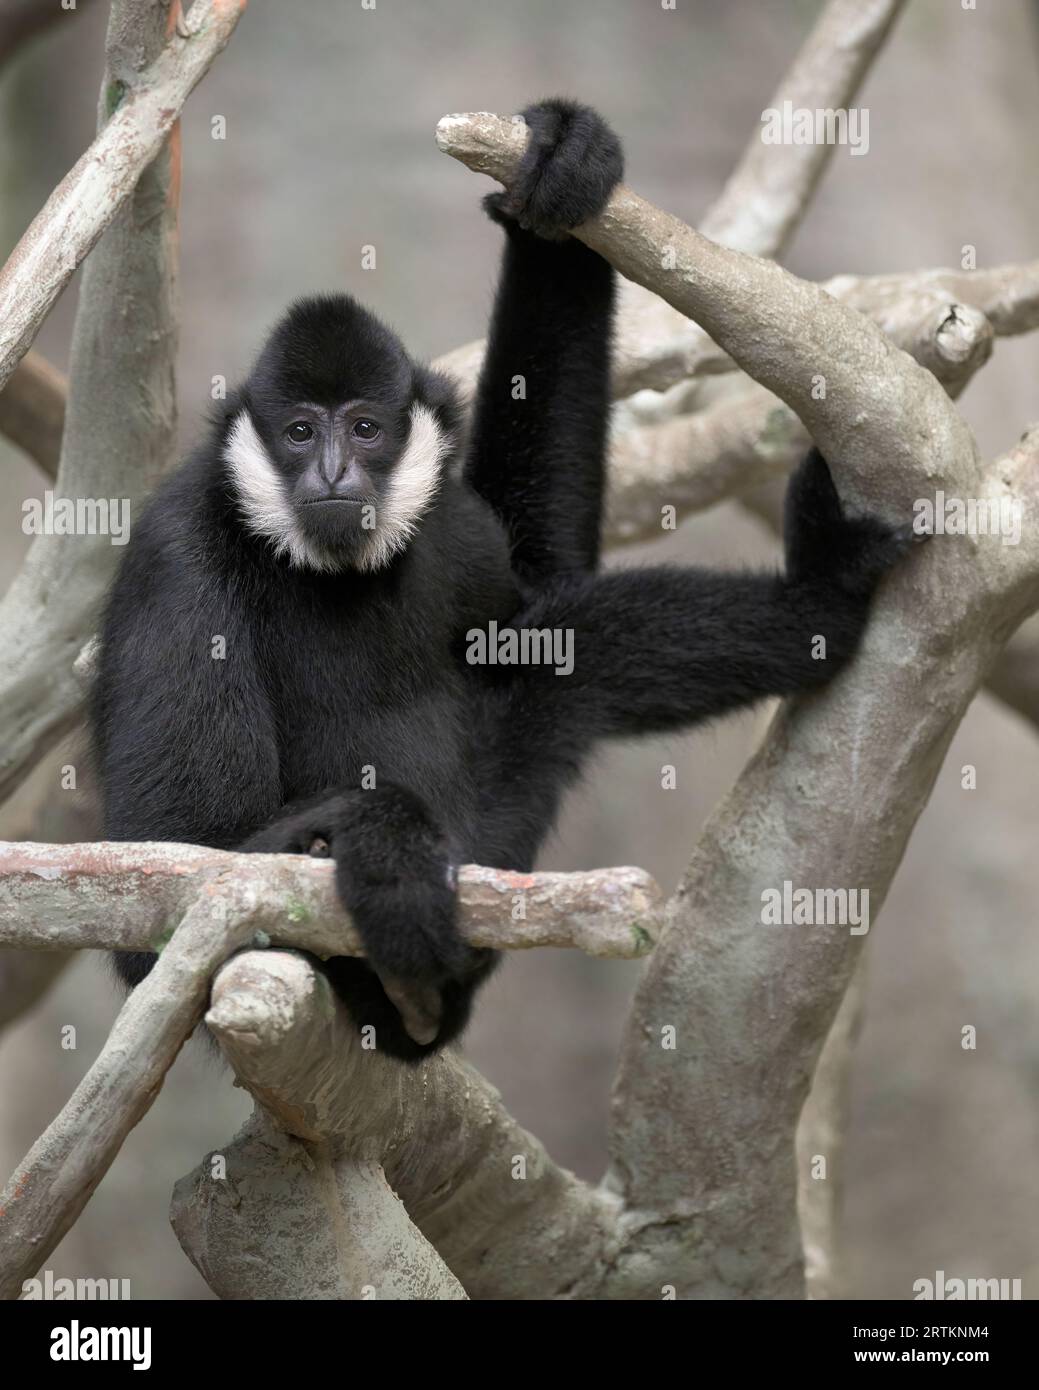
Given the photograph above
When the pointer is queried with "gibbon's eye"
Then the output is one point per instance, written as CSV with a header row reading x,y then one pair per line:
x,y
300,432
319,848
366,429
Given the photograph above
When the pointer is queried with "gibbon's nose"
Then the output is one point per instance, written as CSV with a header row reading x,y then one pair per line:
x,y
343,475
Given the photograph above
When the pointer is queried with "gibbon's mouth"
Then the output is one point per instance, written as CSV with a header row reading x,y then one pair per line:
x,y
336,523
336,502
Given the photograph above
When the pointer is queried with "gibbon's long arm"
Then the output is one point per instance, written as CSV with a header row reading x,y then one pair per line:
x,y
661,649
540,418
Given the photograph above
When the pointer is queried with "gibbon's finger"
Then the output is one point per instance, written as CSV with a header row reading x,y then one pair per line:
x,y
418,1005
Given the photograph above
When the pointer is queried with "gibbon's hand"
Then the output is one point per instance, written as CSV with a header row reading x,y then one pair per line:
x,y
571,165
825,546
395,878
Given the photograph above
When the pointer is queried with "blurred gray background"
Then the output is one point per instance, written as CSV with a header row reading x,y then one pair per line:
x,y
330,111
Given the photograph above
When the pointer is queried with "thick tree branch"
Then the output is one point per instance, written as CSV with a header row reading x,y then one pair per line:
x,y
285,1220
134,897
91,194
32,411
798,815
944,319
758,211
470,1178
120,431
711,1197
784,332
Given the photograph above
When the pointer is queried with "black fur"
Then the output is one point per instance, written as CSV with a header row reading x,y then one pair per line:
x,y
327,674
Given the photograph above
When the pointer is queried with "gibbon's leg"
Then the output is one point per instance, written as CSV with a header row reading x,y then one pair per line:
x,y
661,649
395,877
540,417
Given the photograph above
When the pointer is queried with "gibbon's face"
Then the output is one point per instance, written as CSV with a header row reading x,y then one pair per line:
x,y
332,457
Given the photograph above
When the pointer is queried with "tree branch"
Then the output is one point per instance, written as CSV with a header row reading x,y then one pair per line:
x,y
710,1197
284,1220
89,196
470,1178
123,896
758,211
134,896
32,411
120,432
942,318
784,332
767,193
765,197
1015,676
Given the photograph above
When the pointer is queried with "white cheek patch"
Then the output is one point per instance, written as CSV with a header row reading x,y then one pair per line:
x,y
412,486
261,497
267,512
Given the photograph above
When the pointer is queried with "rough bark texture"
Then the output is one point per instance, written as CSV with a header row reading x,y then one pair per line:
x,y
143,108
130,897
197,907
121,417
506,1220
820,1134
693,461
715,1195
290,1222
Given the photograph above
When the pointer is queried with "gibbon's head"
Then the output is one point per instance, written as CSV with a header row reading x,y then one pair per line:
x,y
337,443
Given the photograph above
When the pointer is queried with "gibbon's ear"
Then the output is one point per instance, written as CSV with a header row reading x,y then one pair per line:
x,y
439,392
222,413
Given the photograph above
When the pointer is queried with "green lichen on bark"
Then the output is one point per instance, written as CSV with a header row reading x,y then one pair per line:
x,y
114,93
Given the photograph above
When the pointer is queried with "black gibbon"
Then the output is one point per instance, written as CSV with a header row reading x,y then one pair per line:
x,y
335,536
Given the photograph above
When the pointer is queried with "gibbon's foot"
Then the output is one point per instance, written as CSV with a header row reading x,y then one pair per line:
x,y
571,165
825,545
